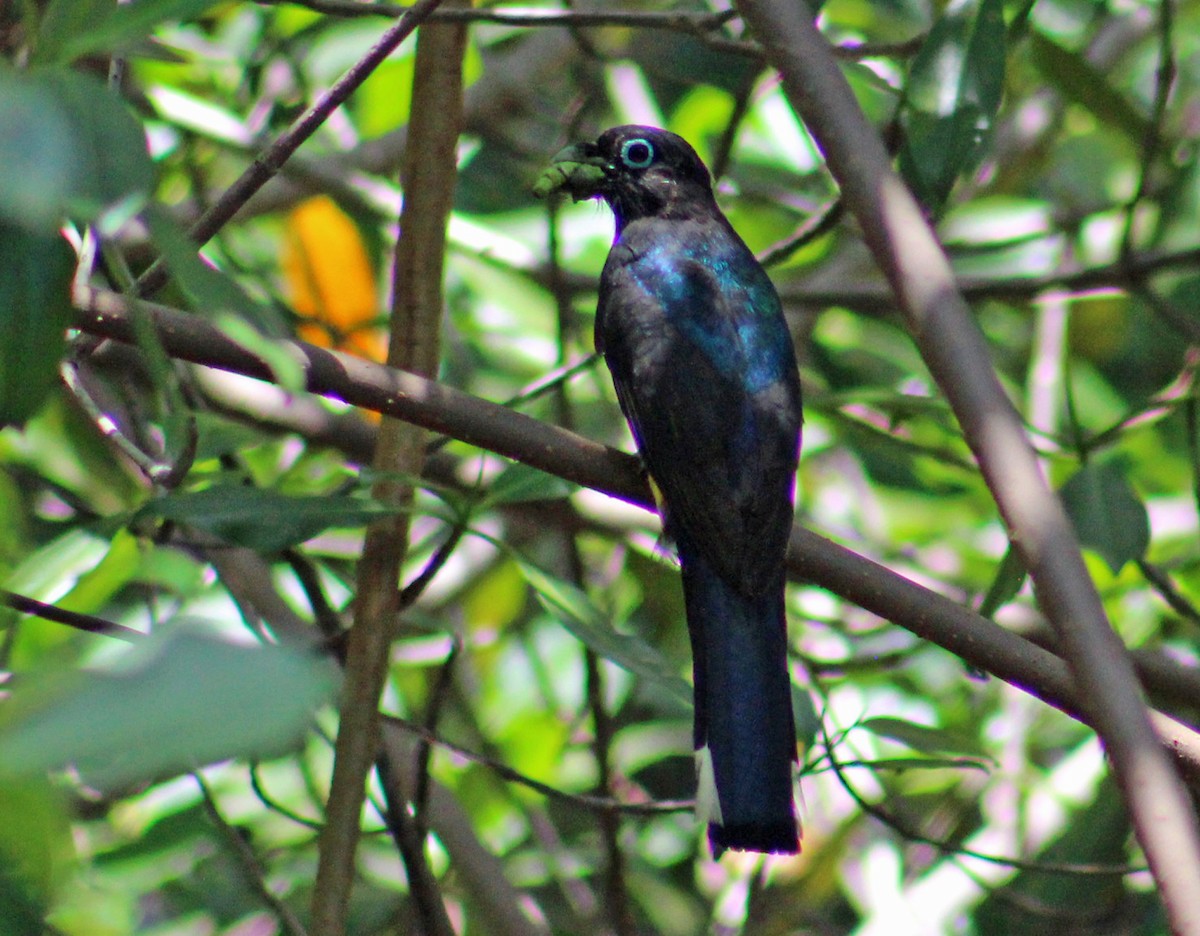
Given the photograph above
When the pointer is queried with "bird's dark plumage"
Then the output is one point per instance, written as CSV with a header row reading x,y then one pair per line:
x,y
691,329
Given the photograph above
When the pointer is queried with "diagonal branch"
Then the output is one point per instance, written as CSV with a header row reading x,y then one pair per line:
x,y
271,159
812,558
382,389
906,249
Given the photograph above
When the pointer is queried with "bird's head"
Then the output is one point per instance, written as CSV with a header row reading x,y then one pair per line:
x,y
640,171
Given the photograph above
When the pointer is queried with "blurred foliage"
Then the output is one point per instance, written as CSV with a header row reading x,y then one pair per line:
x,y
1055,144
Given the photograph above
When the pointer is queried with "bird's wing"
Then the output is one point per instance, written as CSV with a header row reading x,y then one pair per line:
x,y
717,429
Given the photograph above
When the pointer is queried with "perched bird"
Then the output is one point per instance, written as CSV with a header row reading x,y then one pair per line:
x,y
702,361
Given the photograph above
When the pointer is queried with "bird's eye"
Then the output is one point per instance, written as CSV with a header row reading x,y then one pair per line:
x,y
637,154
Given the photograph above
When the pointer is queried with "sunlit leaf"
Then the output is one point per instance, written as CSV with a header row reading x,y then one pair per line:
x,y
36,851
94,588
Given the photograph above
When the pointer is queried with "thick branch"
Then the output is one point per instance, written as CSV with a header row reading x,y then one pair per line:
x,y
375,387
429,177
812,558
905,248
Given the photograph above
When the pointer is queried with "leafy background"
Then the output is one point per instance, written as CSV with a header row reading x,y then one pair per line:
x,y
169,774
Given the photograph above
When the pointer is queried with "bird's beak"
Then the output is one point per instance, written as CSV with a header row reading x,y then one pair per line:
x,y
578,170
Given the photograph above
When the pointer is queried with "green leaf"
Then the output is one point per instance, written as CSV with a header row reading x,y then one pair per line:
x,y
807,719
261,519
23,912
209,290
921,737
1010,576
35,309
36,850
71,29
174,705
1080,81
68,146
579,615
285,364
66,557
1108,515
920,763
96,587
953,96
519,483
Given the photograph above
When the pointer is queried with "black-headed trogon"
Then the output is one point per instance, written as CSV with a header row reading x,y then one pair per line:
x,y
692,331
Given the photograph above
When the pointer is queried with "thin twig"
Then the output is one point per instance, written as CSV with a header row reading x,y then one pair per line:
x,y
816,226
680,20
253,872
876,298
84,622
422,885
413,590
1161,582
305,570
272,158
272,804
433,710
585,800
617,903
1082,869
722,153
700,24
1164,79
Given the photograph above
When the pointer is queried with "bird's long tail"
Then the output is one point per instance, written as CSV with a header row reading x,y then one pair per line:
x,y
745,734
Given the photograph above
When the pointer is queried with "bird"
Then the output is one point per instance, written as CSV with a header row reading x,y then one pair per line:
x,y
702,361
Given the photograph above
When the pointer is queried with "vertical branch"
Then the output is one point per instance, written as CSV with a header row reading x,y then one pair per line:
x,y
428,178
953,348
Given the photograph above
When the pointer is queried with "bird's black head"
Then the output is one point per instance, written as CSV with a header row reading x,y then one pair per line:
x,y
640,171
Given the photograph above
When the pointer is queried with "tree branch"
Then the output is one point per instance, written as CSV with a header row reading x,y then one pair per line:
x,y
812,558
429,177
1125,273
269,161
906,249
375,387
84,622
253,873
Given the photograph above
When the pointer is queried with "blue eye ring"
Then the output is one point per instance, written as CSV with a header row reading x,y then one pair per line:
x,y
637,153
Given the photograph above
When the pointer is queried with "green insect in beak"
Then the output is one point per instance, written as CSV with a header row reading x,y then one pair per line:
x,y
576,170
